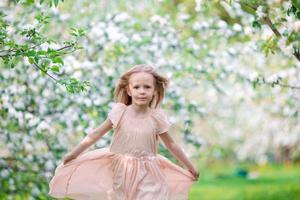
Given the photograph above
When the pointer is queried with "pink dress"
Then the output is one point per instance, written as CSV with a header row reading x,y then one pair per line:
x,y
130,169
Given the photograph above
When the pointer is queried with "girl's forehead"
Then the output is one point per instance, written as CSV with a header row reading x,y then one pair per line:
x,y
141,78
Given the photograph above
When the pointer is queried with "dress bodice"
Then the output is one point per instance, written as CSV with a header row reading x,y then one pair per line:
x,y
137,136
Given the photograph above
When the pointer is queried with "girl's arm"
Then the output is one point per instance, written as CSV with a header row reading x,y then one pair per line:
x,y
91,138
178,153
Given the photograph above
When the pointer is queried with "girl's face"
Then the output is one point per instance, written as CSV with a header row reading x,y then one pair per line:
x,y
141,88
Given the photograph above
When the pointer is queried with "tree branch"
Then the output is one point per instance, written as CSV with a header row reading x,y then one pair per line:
x,y
65,47
44,71
271,25
285,85
268,21
14,50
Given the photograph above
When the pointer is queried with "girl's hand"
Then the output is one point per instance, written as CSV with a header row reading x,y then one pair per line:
x,y
195,173
68,157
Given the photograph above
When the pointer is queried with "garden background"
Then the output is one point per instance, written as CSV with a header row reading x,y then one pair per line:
x,y
234,96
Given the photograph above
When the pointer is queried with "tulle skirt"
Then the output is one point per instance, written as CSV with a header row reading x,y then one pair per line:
x,y
103,175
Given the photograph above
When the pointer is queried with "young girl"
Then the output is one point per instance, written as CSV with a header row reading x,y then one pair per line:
x,y
130,169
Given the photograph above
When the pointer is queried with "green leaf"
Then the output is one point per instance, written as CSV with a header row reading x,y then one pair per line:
x,y
285,33
296,3
58,60
270,46
12,65
78,32
29,2
31,53
256,24
36,59
44,70
283,19
43,74
254,83
11,44
55,68
42,18
273,84
55,2
30,60
41,52
70,88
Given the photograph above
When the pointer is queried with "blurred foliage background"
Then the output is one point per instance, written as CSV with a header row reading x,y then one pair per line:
x,y
233,99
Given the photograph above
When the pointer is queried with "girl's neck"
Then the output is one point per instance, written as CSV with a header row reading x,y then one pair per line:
x,y
139,109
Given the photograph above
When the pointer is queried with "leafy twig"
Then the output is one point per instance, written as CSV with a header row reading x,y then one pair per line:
x,y
37,66
269,22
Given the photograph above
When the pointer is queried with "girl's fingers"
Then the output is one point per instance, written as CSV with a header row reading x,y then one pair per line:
x,y
196,176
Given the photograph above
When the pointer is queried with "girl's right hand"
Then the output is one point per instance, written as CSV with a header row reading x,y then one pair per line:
x,y
67,158
195,173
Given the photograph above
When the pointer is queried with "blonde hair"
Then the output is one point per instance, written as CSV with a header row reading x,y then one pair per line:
x,y
161,83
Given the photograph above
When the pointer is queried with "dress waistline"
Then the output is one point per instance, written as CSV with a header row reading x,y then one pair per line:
x,y
137,155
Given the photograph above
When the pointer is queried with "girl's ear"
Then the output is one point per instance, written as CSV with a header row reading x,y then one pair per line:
x,y
128,90
154,95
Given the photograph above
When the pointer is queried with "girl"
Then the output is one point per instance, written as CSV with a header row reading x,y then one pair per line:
x,y
130,169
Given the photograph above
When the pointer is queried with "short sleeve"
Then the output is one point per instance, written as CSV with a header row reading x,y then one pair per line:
x,y
115,113
163,123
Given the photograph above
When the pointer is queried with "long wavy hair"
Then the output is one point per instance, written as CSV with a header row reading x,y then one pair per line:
x,y
161,83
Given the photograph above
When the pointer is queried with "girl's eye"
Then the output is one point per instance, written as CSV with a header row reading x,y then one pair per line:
x,y
136,87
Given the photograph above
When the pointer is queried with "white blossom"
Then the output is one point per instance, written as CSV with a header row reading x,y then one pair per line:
x,y
4,173
198,5
222,24
49,166
286,50
114,33
260,12
237,27
158,19
121,17
136,37
184,16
